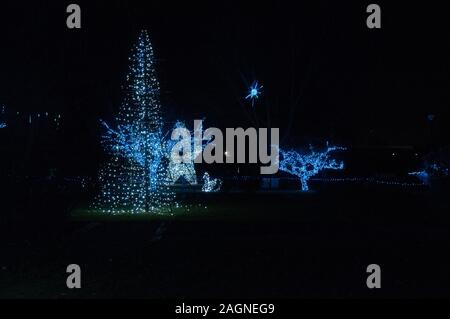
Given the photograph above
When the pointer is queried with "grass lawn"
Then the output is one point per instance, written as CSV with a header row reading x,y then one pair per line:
x,y
225,207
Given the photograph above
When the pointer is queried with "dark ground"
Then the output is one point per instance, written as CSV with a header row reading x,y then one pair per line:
x,y
302,245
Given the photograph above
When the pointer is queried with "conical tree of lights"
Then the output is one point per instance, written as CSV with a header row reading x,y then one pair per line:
x,y
135,179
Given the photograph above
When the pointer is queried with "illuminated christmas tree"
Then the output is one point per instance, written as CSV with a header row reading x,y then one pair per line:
x,y
135,180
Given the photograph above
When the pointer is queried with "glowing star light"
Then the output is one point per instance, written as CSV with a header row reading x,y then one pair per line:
x,y
254,92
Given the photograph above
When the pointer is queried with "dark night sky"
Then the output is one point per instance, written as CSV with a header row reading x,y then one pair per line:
x,y
325,75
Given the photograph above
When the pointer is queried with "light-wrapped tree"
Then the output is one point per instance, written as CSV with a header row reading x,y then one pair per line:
x,y
135,180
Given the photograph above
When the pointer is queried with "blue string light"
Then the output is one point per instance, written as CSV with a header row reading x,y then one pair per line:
x,y
370,180
185,169
211,184
2,112
135,180
304,166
